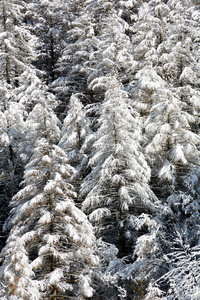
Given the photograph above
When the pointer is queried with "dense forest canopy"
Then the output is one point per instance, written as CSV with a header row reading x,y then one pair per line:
x,y
99,149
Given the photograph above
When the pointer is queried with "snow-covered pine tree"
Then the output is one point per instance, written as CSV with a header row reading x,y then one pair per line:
x,y
148,35
6,172
178,58
49,23
118,199
74,133
55,234
23,132
11,134
16,273
41,121
145,34
75,128
15,49
117,186
114,54
80,41
182,279
180,219
172,142
16,54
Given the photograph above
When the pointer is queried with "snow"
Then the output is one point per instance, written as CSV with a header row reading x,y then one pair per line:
x,y
167,172
47,218
109,149
178,155
98,214
86,289
55,277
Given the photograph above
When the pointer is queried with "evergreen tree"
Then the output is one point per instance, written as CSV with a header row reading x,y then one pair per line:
x,y
56,235
176,145
78,45
17,53
49,21
182,279
11,134
75,129
114,54
41,120
75,137
17,272
118,183
16,46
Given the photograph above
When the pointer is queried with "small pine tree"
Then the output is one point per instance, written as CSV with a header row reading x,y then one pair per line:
x,y
75,129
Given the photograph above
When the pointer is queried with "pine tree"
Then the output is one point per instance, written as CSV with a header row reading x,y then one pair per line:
x,y
16,47
75,129
118,182
50,24
75,134
56,235
41,121
175,138
172,141
114,54
11,134
78,45
17,53
17,272
182,279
